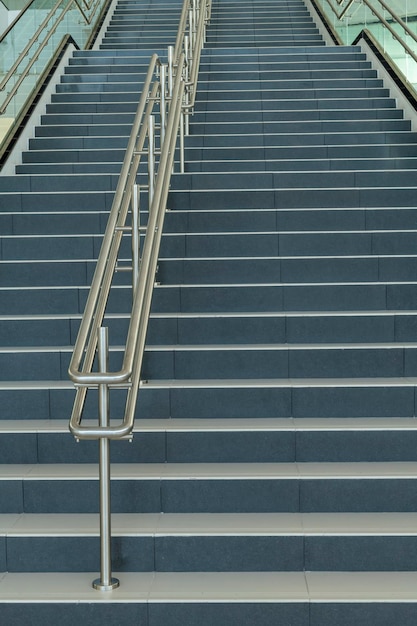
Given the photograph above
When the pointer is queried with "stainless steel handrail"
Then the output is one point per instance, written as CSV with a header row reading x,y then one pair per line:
x,y
166,86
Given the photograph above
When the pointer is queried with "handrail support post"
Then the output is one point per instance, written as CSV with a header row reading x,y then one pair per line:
x,y
151,157
135,237
105,582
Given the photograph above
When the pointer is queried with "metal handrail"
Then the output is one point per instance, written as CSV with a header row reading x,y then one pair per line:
x,y
166,87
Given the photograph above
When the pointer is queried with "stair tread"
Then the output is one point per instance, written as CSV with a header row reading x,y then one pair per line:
x,y
406,381
399,470
211,524
215,347
306,424
206,587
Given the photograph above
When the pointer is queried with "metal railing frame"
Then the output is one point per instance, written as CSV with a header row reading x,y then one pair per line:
x,y
169,87
382,19
25,52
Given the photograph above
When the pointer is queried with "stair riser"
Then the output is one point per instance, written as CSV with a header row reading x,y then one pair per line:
x,y
317,165
237,330
301,198
207,554
86,130
135,77
301,446
235,402
275,65
276,140
305,86
221,272
83,168
273,41
286,298
291,94
74,158
283,220
294,105
55,300
256,114
65,202
309,270
217,612
53,223
36,184
229,364
274,244
79,143
275,127
312,154
87,118
221,496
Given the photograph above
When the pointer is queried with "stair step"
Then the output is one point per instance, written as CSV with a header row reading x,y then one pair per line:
x,y
285,104
31,201
57,183
87,130
323,398
73,157
310,598
369,397
292,296
353,93
332,327
303,270
53,223
291,219
311,154
211,362
220,441
273,542
318,164
307,198
253,113
304,179
214,487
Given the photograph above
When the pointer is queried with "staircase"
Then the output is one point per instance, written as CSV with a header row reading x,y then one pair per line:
x,y
272,477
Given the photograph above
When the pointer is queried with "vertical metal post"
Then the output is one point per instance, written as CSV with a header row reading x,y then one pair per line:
x,y
182,165
162,104
191,27
135,237
151,158
105,582
170,71
186,93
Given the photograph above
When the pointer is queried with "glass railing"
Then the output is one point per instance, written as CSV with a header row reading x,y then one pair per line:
x,y
29,45
393,23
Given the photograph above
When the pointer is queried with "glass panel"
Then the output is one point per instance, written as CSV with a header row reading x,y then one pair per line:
x,y
22,63
372,15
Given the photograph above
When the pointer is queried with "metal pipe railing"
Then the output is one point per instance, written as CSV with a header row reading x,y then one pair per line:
x,y
165,88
